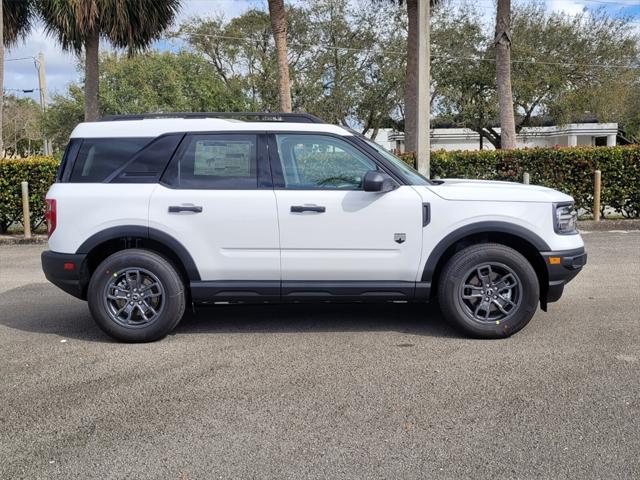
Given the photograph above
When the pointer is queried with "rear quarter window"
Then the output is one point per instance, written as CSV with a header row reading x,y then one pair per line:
x,y
68,158
98,158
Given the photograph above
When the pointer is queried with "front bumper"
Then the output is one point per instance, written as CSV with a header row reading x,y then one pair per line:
x,y
562,267
67,271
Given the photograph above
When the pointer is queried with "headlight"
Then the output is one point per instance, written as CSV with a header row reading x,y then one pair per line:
x,y
565,218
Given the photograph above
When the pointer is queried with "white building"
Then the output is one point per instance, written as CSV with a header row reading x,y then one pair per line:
x,y
570,135
386,138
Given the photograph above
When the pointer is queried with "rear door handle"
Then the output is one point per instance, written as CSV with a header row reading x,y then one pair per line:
x,y
185,208
307,208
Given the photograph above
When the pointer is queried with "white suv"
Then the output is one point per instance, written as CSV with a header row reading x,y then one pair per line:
x,y
153,212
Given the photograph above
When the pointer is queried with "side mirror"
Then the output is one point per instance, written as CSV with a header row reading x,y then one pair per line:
x,y
375,181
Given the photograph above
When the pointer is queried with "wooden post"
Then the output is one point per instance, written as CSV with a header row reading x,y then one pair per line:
x,y
26,215
525,178
596,195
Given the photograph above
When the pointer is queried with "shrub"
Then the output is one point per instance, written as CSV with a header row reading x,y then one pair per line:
x,y
569,170
40,172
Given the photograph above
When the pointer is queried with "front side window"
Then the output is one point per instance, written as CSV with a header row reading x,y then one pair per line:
x,y
321,162
216,161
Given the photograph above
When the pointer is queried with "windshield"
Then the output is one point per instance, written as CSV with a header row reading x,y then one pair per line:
x,y
411,175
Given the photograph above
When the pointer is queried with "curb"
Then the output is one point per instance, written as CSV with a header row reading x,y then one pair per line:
x,y
607,225
20,240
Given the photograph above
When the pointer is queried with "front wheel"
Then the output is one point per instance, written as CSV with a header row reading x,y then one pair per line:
x,y
489,290
136,296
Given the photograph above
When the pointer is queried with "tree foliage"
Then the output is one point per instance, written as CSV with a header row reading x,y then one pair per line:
x,y
131,25
347,65
345,59
79,25
21,126
17,19
149,82
559,67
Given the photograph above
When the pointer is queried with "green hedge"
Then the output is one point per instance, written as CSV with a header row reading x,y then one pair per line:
x,y
566,169
569,170
40,172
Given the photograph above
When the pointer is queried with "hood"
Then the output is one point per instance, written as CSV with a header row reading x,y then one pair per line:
x,y
494,191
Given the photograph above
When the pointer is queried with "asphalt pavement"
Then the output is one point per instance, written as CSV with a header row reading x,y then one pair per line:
x,y
324,391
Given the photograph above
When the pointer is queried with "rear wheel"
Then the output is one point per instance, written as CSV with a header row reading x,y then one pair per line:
x,y
136,296
489,290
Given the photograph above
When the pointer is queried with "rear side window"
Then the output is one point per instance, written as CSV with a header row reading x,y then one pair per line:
x,y
100,157
215,161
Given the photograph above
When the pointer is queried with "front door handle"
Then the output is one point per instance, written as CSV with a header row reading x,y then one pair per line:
x,y
307,208
185,208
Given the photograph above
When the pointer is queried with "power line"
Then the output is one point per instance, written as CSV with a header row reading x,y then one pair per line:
x,y
444,57
573,2
603,2
21,58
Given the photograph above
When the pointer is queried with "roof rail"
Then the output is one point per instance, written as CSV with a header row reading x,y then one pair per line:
x,y
297,117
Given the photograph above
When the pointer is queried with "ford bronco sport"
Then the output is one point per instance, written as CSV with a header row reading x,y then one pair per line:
x,y
151,213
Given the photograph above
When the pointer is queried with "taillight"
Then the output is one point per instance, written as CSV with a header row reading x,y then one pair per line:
x,y
50,215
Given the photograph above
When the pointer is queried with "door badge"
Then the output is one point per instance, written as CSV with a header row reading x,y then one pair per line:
x,y
400,237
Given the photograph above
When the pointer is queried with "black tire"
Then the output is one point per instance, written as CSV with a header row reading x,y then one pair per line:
x,y
461,291
160,295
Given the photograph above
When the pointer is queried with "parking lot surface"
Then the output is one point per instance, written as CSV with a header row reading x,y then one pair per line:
x,y
329,391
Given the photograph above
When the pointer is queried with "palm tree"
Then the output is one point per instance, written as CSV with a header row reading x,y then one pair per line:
x,y
503,74
17,16
80,24
278,16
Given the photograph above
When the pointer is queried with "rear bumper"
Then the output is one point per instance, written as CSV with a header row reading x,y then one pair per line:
x,y
562,267
66,271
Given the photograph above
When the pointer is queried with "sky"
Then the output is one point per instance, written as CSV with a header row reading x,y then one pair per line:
x,y
61,68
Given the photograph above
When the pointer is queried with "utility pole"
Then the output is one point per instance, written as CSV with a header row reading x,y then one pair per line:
x,y
423,124
42,83
1,77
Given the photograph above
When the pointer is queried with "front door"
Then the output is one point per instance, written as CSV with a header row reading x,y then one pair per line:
x,y
334,236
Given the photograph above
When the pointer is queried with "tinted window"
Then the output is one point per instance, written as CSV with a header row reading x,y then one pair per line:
x,y
100,157
321,162
219,161
68,157
147,165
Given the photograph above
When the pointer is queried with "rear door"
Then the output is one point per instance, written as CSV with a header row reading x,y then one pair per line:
x,y
332,233
217,200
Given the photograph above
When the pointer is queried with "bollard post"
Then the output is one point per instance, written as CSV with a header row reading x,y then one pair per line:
x,y
26,215
596,195
525,178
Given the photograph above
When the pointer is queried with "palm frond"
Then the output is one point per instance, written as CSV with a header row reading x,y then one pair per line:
x,y
17,19
131,24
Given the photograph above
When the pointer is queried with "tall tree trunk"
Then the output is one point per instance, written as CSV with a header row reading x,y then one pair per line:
x,y
1,77
411,79
278,16
91,78
503,74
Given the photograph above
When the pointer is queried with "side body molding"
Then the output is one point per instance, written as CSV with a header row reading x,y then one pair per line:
x,y
143,232
477,228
